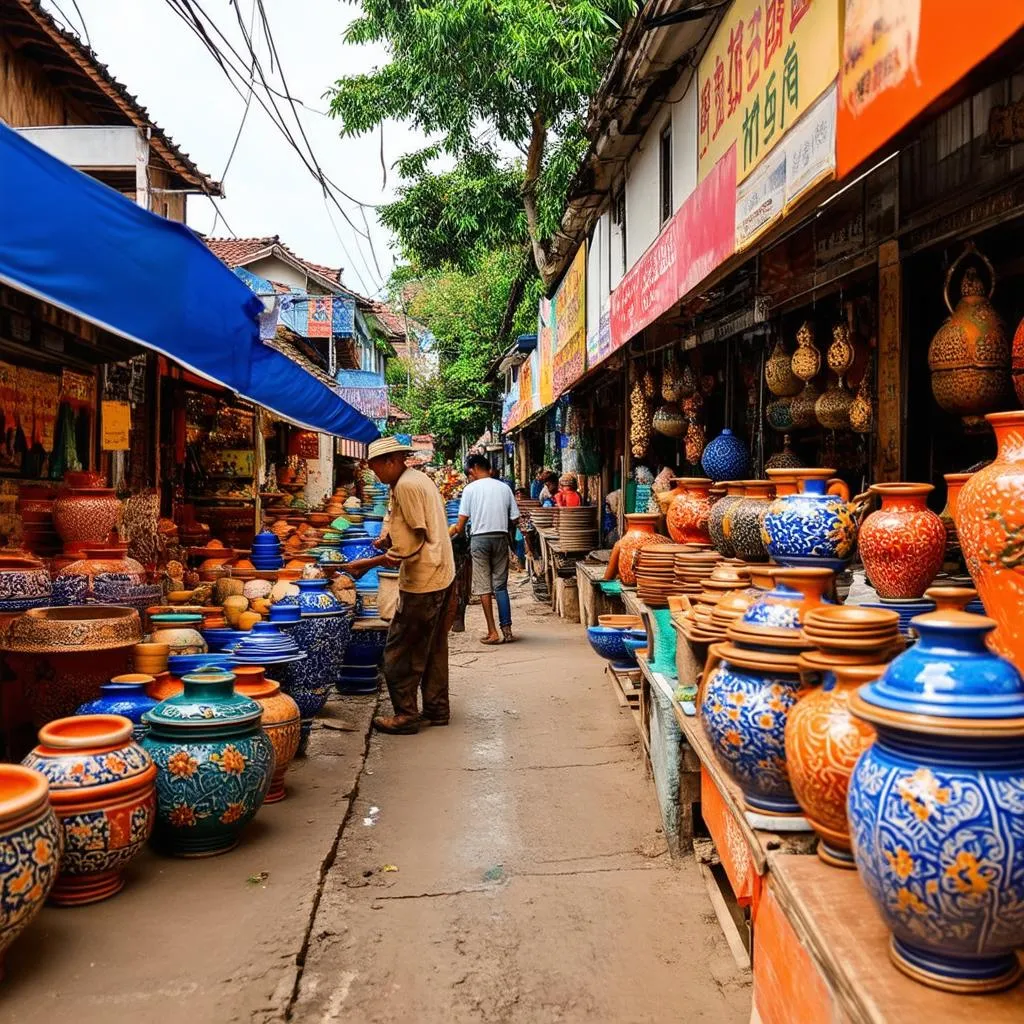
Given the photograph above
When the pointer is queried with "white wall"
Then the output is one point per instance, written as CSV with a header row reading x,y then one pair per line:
x,y
684,146
273,269
643,220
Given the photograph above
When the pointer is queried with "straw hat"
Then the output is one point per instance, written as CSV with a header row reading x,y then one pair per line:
x,y
385,446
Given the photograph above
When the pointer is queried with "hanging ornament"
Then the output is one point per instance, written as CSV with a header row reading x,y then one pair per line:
x,y
779,415
801,408
841,352
778,373
689,380
669,420
786,459
862,413
806,361
649,384
639,421
673,386
832,409
694,441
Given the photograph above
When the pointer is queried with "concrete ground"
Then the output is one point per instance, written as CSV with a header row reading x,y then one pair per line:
x,y
508,868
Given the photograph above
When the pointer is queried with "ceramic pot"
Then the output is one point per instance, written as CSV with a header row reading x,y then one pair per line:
x,y
101,786
280,722
63,655
954,485
24,584
815,526
793,594
786,459
778,373
934,808
127,696
716,518
806,360
669,420
969,356
32,841
179,631
726,457
214,765
741,524
85,516
151,659
104,563
640,528
902,544
687,515
363,657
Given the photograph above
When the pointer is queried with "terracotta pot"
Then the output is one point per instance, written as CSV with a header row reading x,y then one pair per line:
x,y
639,533
85,516
24,584
63,655
784,479
32,841
742,522
101,786
687,516
281,721
151,659
716,517
902,545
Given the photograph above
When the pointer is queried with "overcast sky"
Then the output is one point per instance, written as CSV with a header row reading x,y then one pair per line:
x,y
269,191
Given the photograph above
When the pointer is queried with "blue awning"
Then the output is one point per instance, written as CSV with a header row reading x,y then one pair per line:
x,y
72,241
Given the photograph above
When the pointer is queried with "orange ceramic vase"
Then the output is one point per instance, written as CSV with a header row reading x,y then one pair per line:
x,y
639,533
102,788
990,523
281,721
954,485
823,743
687,515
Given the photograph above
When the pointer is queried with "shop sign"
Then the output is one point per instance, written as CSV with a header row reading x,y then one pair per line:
x,y
901,55
116,420
508,407
599,341
545,350
570,316
767,64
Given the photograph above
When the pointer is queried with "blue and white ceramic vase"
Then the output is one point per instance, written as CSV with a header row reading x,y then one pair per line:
x,y
726,457
24,584
123,695
936,806
214,765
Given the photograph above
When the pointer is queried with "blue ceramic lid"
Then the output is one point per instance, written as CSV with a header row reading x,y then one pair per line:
x,y
221,638
265,644
207,701
285,610
949,673
315,599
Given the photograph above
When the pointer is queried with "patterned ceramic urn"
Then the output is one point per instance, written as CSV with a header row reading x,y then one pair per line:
x,y
687,515
741,524
101,786
280,722
902,545
214,765
640,531
726,457
84,516
31,842
935,806
24,584
716,517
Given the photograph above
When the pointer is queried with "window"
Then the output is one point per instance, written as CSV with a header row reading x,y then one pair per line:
x,y
665,170
619,222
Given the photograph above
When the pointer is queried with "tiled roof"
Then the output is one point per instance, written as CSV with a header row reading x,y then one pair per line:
x,y
394,413
237,251
282,341
391,320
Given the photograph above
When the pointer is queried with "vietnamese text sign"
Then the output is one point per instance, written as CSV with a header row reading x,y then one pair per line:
x,y
570,315
546,350
768,62
116,418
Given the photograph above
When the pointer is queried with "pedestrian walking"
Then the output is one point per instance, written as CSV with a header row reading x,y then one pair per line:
x,y
489,507
416,654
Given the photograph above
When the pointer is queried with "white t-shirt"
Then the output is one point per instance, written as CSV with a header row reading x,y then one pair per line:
x,y
489,505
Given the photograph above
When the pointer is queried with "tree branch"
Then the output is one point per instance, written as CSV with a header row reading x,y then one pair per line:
x,y
515,296
534,161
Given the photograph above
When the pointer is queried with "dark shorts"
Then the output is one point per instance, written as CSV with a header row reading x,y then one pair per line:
x,y
490,562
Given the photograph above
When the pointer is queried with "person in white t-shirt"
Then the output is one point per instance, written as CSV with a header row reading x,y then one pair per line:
x,y
489,507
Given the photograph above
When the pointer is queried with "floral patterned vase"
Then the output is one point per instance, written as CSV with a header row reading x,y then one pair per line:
x,y
742,522
716,518
639,533
902,545
794,593
687,516
32,840
280,722
935,806
214,765
126,695
101,786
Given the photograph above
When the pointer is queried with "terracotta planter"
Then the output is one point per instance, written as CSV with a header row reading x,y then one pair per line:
x,y
32,841
281,722
62,656
85,516
687,516
902,545
639,533
742,522
101,786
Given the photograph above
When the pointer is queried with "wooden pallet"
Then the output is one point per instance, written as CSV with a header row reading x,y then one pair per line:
x,y
626,685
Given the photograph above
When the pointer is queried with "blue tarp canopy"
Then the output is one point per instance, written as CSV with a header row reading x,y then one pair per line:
x,y
72,241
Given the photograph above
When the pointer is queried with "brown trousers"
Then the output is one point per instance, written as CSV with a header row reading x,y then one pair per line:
x,y
416,654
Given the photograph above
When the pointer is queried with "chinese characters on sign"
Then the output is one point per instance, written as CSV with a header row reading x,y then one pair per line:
x,y
570,315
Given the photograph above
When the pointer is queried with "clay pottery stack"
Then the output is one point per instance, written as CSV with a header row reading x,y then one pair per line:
x,y
640,532
128,696
101,786
692,567
24,584
63,655
852,634
934,809
742,522
150,658
655,573
84,516
687,515
716,517
180,631
32,840
214,765
954,485
281,722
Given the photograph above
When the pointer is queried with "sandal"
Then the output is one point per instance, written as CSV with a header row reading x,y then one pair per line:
x,y
507,637
491,643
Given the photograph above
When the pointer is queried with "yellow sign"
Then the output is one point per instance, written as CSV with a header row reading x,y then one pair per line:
x,y
768,63
570,359
117,422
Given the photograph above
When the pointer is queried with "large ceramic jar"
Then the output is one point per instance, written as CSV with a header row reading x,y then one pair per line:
x,y
741,524
63,655
935,809
101,785
32,840
281,722
126,695
716,518
902,545
954,485
214,765
990,523
84,516
726,457
640,531
687,515
817,526
180,631
24,584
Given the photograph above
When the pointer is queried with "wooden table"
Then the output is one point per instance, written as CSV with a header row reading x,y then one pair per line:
x,y
593,600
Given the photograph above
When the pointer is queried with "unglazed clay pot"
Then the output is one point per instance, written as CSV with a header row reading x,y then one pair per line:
x,y
902,545
101,786
32,840
24,584
214,765
954,485
687,516
85,516
280,722
716,517
639,533
742,521
63,655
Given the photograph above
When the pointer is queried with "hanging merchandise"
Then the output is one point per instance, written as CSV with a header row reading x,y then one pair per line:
x,y
694,441
806,361
669,420
969,357
778,373
1018,362
862,413
639,421
726,457
649,383
841,353
786,459
802,408
779,414
674,385
832,409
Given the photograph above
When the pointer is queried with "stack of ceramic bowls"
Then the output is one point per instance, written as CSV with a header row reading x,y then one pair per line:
x,y
655,573
577,528
693,564
906,608
851,635
266,552
543,518
266,645
151,659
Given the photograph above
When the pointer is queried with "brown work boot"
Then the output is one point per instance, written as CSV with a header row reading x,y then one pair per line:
x,y
398,725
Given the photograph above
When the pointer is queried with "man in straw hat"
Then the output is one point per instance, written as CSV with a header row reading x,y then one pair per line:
x,y
416,655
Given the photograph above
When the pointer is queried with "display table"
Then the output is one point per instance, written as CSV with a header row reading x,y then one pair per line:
x,y
593,600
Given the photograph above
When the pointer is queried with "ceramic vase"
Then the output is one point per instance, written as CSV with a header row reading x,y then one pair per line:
x,y
793,593
741,523
935,807
640,527
687,515
214,765
32,841
101,786
281,722
84,516
902,545
778,373
954,485
726,457
24,584
126,695
716,518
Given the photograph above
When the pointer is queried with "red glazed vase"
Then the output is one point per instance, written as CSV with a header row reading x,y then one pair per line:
x,y
85,516
902,545
281,722
639,533
687,515
102,788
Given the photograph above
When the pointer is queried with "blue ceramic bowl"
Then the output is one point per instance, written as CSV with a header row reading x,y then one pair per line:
x,y
374,527
634,644
222,639
610,644
285,612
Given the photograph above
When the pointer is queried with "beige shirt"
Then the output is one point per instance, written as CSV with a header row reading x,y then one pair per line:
x,y
419,534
